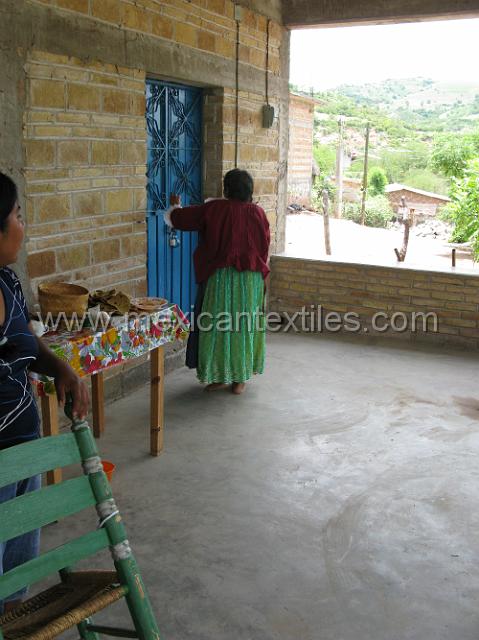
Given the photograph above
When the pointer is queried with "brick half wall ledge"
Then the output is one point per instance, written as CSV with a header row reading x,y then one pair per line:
x,y
379,295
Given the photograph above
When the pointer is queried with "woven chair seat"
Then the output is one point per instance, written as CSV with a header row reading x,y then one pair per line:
x,y
63,606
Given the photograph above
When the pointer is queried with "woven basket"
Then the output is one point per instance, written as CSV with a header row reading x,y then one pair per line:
x,y
62,298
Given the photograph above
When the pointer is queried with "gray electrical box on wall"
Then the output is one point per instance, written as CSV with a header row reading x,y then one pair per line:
x,y
268,116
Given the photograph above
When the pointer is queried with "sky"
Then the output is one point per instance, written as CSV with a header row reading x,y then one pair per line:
x,y
443,50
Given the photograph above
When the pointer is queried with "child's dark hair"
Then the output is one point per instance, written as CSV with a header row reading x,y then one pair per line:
x,y
8,197
238,185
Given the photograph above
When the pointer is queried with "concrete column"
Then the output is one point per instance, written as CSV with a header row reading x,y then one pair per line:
x,y
12,106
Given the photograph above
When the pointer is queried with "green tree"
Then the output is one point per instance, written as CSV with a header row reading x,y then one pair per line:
x,y
397,162
377,180
464,208
325,157
427,180
451,153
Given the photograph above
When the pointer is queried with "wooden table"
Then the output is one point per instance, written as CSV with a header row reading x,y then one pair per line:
x,y
90,351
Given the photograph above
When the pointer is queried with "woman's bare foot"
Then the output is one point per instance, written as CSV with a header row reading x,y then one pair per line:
x,y
238,388
215,386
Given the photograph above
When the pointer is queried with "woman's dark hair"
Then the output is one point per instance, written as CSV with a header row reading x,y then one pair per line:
x,y
238,185
8,197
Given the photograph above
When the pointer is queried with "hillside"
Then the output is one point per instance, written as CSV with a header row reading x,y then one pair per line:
x,y
406,116
425,103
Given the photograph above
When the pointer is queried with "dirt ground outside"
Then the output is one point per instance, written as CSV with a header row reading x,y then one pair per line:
x,y
351,242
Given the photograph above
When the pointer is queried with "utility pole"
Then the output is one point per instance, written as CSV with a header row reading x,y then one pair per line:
x,y
365,176
339,170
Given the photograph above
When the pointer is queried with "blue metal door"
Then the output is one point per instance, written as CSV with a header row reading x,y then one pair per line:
x,y
173,116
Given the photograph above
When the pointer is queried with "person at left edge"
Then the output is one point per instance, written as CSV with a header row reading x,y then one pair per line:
x,y
20,352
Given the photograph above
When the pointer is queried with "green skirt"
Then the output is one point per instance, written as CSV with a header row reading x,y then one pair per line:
x,y
231,327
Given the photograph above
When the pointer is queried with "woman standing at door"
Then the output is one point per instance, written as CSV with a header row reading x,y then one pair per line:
x,y
231,265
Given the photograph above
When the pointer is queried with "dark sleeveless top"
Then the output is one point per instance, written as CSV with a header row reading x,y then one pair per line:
x,y
19,419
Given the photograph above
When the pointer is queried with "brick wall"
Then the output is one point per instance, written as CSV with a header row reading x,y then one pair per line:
x,y
208,25
85,138
367,289
258,148
395,198
422,205
85,164
300,155
213,143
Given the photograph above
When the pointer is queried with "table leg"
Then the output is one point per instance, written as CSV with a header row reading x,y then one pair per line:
x,y
50,428
157,400
98,404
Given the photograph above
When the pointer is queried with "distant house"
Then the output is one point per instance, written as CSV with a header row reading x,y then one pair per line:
x,y
422,204
300,157
351,189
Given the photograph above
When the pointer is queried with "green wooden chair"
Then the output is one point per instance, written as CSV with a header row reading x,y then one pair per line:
x,y
79,594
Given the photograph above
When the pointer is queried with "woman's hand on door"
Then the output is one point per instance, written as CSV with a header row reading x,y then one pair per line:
x,y
175,199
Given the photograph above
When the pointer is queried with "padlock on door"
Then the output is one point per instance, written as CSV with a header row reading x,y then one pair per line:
x,y
174,241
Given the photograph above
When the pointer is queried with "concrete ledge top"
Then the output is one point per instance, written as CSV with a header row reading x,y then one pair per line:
x,y
454,271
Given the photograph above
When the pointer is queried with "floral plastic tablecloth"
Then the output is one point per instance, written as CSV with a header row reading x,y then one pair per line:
x,y
89,350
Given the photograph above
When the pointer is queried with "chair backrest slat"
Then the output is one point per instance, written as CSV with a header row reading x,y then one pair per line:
x,y
38,456
38,508
66,555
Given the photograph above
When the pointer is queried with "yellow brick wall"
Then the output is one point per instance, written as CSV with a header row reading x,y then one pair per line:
x,y
85,164
85,137
213,144
85,155
300,154
366,290
208,25
258,150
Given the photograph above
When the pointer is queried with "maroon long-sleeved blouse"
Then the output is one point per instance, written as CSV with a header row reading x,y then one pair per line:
x,y
232,234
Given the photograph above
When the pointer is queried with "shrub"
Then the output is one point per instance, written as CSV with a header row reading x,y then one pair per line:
x,y
378,212
320,185
463,211
377,181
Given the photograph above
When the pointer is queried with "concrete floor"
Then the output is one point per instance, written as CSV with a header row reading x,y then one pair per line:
x,y
336,500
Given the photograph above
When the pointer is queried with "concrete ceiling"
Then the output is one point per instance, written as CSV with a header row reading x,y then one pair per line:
x,y
323,13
